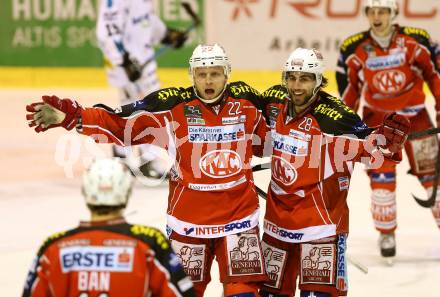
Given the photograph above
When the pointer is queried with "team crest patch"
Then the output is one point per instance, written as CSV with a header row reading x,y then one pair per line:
x,y
244,253
317,263
344,183
275,262
192,258
192,111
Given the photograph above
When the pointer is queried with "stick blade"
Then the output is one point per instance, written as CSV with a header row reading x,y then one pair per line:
x,y
189,10
425,203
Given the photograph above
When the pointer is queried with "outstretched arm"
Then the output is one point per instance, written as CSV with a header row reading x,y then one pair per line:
x,y
53,112
143,121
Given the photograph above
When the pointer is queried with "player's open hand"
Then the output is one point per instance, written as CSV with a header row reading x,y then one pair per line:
x,y
53,112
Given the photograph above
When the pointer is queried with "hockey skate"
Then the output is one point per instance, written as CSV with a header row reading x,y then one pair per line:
x,y
387,245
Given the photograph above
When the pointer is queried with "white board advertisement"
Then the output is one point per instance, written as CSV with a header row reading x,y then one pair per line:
x,y
260,34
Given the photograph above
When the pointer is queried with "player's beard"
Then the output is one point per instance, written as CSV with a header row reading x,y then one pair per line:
x,y
302,101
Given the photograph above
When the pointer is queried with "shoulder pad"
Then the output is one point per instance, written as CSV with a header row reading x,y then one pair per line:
x,y
54,237
334,117
275,94
165,99
417,33
160,100
171,95
352,41
240,89
150,235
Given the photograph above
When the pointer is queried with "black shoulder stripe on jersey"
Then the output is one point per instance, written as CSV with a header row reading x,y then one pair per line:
x,y
55,237
422,37
335,118
152,236
275,94
347,48
241,90
349,45
161,100
149,235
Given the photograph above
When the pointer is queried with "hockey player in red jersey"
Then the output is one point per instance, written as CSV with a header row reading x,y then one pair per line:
x,y
211,128
107,256
387,66
316,139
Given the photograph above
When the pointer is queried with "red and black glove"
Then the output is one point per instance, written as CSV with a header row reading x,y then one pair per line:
x,y
395,128
45,119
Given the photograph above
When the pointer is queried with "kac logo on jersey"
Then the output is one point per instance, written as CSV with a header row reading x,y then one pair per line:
x,y
220,163
389,81
283,171
96,258
344,183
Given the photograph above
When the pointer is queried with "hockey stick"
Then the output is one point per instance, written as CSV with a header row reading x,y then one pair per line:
x,y
357,264
418,134
431,200
195,23
260,167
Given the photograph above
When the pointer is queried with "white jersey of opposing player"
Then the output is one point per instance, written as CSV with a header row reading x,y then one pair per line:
x,y
128,26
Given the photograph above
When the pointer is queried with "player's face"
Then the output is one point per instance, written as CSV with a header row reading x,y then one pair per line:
x,y
300,86
380,20
209,81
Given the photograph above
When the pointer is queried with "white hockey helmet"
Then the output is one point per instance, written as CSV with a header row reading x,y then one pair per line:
x,y
209,55
305,60
107,182
391,4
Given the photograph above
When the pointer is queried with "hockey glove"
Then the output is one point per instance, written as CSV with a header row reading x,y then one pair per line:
x,y
175,38
53,112
395,128
131,67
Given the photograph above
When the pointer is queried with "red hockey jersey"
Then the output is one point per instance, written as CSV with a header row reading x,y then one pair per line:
x,y
313,155
389,79
212,193
109,258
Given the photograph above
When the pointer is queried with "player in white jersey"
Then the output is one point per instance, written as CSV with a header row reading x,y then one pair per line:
x,y
127,31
